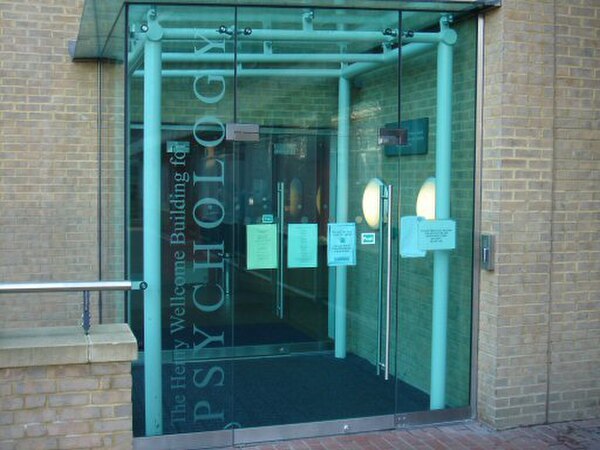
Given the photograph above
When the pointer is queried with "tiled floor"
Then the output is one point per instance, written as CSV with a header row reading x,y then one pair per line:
x,y
581,435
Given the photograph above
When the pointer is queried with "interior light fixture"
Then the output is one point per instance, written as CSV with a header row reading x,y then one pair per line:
x,y
296,197
372,202
426,199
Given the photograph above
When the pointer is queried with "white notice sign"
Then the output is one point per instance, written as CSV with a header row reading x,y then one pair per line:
x,y
341,244
437,234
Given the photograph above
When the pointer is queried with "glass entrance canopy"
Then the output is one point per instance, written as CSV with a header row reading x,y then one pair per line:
x,y
99,16
250,133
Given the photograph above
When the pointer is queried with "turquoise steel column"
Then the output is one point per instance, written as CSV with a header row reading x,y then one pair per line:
x,y
152,238
441,258
342,210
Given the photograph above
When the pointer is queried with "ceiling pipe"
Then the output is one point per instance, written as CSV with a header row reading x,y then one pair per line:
x,y
349,71
243,73
273,57
278,35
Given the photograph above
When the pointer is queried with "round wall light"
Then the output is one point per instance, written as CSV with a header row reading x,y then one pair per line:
x,y
371,202
426,200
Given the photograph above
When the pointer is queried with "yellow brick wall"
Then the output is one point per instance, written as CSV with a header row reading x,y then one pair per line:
x,y
48,159
78,406
540,308
575,307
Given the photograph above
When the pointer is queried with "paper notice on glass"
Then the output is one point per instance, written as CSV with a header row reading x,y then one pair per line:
x,y
341,244
302,245
261,246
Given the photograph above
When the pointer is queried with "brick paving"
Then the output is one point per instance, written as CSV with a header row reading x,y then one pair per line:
x,y
580,435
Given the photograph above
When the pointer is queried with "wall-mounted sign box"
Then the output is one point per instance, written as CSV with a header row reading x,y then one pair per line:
x,y
392,136
242,132
418,138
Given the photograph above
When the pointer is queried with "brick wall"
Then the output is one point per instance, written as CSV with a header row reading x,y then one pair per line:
x,y
574,332
66,407
112,179
48,159
60,389
539,328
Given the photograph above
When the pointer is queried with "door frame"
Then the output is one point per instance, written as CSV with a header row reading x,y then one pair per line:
x,y
248,436
245,436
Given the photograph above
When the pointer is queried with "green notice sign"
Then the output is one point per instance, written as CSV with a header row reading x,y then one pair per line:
x,y
261,246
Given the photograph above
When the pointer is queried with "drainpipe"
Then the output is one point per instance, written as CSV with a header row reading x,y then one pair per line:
x,y
441,258
342,211
152,226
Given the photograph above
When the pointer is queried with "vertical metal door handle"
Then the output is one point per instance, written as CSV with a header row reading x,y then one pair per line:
x,y
281,223
227,263
382,200
388,293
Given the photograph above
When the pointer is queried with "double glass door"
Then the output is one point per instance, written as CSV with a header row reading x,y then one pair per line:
x,y
272,267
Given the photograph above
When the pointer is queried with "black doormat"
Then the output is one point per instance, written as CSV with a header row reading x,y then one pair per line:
x,y
213,395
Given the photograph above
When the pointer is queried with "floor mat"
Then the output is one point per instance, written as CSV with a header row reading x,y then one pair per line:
x,y
213,395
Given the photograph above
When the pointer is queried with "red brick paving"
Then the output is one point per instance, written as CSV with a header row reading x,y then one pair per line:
x,y
581,435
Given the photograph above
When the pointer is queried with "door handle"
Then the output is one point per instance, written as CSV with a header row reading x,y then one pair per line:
x,y
281,225
384,308
227,263
388,290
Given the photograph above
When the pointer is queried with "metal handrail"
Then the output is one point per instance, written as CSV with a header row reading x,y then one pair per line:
x,y
18,288
77,286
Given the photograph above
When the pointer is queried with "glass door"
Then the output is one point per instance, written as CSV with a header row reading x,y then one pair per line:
x,y
310,273
279,310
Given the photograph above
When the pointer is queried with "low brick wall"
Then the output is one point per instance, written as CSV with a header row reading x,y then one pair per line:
x,y
60,389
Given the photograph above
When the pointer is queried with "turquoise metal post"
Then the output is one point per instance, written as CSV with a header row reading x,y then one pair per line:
x,y
342,210
441,258
152,240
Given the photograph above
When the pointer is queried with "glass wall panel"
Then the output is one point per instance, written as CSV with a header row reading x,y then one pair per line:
x,y
196,218
416,275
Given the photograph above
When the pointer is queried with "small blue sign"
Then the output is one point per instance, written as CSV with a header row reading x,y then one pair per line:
x,y
178,147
